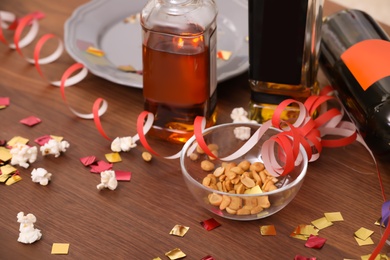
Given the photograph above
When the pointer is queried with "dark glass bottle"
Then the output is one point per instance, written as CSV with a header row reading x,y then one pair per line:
x,y
369,109
284,41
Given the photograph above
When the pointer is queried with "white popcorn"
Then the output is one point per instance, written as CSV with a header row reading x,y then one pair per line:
x,y
242,132
28,234
123,144
23,154
108,180
41,176
239,115
54,147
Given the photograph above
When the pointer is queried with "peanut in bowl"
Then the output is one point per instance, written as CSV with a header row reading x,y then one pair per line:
x,y
241,188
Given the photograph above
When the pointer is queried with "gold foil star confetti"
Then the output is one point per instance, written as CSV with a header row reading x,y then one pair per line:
x,y
379,223
57,138
113,157
17,139
321,223
268,230
179,230
224,55
175,254
127,68
60,249
363,233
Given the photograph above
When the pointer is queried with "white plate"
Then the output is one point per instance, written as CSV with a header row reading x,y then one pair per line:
x,y
100,23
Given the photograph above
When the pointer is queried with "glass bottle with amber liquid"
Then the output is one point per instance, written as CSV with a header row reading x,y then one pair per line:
x,y
284,41
179,65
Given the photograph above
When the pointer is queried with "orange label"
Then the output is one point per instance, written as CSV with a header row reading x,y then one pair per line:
x,y
368,61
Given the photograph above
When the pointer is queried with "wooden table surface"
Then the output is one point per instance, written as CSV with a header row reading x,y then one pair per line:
x,y
134,221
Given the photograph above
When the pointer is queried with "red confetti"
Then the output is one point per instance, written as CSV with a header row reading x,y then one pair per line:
x,y
299,257
101,166
123,176
3,142
43,139
208,257
31,120
4,101
210,224
87,161
315,242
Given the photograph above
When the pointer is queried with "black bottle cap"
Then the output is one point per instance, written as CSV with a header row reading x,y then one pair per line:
x,y
276,40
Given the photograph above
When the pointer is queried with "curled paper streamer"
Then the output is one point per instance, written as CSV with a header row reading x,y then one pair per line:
x,y
305,131
68,78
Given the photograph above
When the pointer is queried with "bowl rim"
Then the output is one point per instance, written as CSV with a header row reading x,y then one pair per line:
x,y
190,141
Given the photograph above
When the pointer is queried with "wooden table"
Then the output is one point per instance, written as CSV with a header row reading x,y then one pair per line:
x,y
134,221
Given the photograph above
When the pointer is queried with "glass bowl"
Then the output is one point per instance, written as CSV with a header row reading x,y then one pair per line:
x,y
238,194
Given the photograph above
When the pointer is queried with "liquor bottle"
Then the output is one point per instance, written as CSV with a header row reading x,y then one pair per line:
x,y
284,41
369,109
179,65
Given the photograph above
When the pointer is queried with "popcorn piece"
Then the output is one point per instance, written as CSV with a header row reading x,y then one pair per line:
x,y
23,154
41,176
243,133
28,234
54,147
108,180
122,144
239,115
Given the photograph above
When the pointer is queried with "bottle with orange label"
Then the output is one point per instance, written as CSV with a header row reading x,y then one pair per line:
x,y
179,65
367,106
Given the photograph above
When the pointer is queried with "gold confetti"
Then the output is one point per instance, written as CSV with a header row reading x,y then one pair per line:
x,y
17,139
303,232
321,223
57,138
224,55
175,254
157,258
364,242
7,169
254,190
95,51
13,179
113,157
379,223
363,233
4,177
268,230
378,257
127,68
60,249
333,216
5,155
132,18
179,230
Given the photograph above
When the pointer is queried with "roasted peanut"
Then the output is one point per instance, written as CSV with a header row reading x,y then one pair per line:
x,y
207,165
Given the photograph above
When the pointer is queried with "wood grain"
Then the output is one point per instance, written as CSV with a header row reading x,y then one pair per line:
x,y
134,221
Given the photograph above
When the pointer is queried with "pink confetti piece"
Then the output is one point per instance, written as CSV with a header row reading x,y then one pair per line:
x,y
299,257
43,139
4,101
101,166
31,120
123,176
88,160
210,224
315,242
3,142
